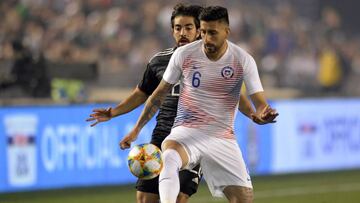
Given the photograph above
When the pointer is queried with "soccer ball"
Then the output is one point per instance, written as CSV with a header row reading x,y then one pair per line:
x,y
145,161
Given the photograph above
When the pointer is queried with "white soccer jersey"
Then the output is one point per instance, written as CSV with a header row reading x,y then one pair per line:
x,y
210,90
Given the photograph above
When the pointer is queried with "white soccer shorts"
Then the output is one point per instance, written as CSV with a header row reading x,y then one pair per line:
x,y
220,159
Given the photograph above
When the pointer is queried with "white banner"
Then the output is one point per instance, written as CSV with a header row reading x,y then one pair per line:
x,y
316,135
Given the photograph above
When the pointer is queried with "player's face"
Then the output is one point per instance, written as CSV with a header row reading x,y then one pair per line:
x,y
184,30
213,34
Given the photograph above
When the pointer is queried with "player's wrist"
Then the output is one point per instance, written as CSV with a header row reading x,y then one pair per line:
x,y
260,109
250,114
111,113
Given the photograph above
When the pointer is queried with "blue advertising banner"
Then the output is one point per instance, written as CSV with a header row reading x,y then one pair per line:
x,y
43,147
53,147
255,143
46,147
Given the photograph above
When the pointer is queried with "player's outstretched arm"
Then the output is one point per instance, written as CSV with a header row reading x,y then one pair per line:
x,y
134,100
151,107
264,113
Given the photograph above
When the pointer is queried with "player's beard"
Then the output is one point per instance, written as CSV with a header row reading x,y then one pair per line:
x,y
183,41
210,48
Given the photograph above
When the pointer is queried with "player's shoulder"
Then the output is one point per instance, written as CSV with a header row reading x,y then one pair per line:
x,y
162,56
239,52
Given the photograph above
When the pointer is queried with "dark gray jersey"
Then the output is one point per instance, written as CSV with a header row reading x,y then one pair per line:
x,y
151,79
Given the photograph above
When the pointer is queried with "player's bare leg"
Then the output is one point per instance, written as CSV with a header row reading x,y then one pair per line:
x,y
238,194
146,197
182,198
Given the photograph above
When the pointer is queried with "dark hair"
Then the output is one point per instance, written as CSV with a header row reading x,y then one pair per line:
x,y
17,45
213,13
187,10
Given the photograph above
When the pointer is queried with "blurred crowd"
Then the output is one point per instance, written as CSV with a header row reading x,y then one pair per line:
x,y
311,54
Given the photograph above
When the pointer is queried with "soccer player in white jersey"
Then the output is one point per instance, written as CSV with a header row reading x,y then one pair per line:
x,y
211,72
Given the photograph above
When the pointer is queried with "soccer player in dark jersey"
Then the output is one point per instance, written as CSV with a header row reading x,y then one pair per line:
x,y
185,26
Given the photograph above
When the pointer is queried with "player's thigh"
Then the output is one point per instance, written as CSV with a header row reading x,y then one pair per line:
x,y
146,197
182,139
224,166
189,180
239,194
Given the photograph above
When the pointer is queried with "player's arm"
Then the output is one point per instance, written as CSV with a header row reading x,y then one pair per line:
x,y
151,107
245,106
171,76
134,100
264,113
145,88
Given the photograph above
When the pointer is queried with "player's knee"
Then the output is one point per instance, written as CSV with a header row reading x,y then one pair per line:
x,y
237,194
241,199
171,156
172,163
173,145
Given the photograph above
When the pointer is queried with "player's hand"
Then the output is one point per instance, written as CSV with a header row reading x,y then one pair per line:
x,y
100,115
125,143
266,115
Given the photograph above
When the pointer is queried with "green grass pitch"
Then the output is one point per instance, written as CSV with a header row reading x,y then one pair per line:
x,y
325,187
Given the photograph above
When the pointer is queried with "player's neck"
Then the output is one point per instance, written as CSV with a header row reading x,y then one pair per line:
x,y
217,55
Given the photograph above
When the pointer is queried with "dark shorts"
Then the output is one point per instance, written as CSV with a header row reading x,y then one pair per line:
x,y
189,182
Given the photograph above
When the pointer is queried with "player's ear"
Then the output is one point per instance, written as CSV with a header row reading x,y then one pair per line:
x,y
198,36
227,30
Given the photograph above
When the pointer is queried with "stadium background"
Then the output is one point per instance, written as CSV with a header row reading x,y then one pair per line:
x,y
92,54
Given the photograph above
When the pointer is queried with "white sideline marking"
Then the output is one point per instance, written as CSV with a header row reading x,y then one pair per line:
x,y
283,192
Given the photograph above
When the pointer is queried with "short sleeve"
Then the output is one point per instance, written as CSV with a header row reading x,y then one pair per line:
x,y
173,71
251,76
149,81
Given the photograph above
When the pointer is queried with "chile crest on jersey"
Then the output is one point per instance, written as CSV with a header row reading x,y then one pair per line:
x,y
227,72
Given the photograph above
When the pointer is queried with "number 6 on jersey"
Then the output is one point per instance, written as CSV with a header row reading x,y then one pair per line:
x,y
196,79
